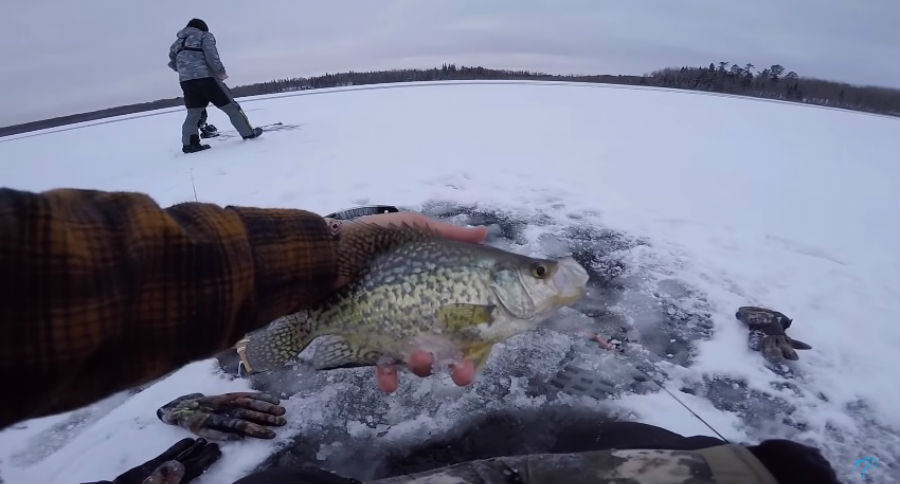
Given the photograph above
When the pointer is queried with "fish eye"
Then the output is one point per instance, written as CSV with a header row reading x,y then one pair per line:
x,y
539,270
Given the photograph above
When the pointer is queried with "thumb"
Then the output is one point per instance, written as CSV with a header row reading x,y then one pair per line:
x,y
788,352
170,472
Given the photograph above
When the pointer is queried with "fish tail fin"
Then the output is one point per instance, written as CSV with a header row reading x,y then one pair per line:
x,y
277,344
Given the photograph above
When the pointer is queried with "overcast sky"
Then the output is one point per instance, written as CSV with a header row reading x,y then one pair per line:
x,y
62,57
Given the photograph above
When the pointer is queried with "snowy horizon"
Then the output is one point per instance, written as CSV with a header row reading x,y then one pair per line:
x,y
826,102
692,204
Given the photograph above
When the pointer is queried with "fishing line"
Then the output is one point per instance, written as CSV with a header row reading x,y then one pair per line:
x,y
660,385
628,359
194,186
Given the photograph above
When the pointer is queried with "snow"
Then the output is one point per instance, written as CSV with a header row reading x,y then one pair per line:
x,y
716,202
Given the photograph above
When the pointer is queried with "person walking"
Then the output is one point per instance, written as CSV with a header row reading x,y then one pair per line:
x,y
195,58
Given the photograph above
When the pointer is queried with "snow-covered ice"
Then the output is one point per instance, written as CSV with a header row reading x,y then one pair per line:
x,y
685,205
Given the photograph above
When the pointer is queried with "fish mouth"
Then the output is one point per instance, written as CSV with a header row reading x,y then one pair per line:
x,y
570,280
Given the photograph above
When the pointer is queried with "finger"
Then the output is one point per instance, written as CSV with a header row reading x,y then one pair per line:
x,y
211,453
444,229
191,451
201,462
265,397
770,348
463,373
216,435
472,235
242,396
799,345
172,452
788,352
258,405
386,377
240,427
420,363
263,418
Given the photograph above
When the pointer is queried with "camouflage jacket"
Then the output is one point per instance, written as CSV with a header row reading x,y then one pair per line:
x,y
193,55
733,464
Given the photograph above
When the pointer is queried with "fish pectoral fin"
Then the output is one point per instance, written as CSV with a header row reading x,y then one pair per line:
x,y
460,316
275,345
335,351
478,354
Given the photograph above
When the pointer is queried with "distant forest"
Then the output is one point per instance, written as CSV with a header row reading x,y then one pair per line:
x,y
769,82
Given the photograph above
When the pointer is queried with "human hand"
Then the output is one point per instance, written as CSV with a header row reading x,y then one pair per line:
x,y
229,416
222,76
443,229
420,362
355,228
179,464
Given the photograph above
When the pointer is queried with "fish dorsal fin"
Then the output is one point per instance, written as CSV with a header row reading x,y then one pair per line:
x,y
459,316
360,242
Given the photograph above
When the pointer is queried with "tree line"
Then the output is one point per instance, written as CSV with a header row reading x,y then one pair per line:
x,y
770,82
447,72
774,83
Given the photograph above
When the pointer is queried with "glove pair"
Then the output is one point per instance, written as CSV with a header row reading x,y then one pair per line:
x,y
229,416
767,333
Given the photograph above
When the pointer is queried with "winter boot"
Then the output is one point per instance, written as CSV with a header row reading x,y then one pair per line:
x,y
195,145
257,132
208,131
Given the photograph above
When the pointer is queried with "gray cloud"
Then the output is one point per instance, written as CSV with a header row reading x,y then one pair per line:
x,y
65,57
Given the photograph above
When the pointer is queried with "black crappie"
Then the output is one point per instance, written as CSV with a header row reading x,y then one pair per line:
x,y
414,290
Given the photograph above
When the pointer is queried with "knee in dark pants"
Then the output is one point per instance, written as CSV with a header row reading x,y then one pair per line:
x,y
232,107
790,461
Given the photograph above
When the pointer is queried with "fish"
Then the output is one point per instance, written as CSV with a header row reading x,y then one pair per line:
x,y
412,289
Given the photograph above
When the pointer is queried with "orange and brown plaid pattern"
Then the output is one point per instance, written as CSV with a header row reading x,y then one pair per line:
x,y
101,291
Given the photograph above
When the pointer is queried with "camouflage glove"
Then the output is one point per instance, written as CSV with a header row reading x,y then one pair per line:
x,y
229,416
767,333
179,464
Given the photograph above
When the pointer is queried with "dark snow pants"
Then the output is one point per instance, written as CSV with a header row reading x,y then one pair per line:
x,y
498,437
198,93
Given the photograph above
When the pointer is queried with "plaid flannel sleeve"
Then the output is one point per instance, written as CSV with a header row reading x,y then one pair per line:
x,y
101,291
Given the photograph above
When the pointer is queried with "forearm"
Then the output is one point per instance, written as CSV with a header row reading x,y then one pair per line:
x,y
102,291
211,52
